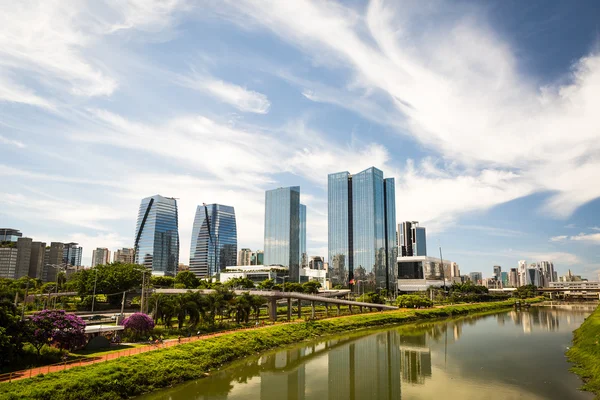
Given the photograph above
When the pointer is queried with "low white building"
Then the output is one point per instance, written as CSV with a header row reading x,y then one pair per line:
x,y
417,273
256,273
308,274
577,285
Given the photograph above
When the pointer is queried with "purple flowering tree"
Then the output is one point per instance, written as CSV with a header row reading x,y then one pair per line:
x,y
56,327
138,324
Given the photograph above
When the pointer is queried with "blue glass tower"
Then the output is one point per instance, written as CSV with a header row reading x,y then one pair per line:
x,y
282,229
157,235
214,240
361,228
303,256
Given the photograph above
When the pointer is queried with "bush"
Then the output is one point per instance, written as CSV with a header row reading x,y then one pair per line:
x,y
138,326
413,301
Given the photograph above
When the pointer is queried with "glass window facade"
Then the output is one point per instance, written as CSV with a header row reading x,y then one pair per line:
x,y
282,229
72,253
361,230
157,235
420,242
214,240
303,256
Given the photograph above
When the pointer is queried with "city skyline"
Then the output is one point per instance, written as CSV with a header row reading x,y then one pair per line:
x,y
261,101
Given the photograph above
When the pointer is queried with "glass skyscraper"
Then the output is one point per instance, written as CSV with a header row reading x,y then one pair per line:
x,y
214,240
157,235
303,256
72,253
282,229
361,228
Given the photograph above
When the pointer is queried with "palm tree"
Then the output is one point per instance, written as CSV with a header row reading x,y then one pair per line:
x,y
257,302
186,307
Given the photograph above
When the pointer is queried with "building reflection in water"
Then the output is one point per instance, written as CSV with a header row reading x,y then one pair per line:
x,y
538,318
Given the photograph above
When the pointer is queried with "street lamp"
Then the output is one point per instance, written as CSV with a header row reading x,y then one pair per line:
x,y
59,267
95,281
283,286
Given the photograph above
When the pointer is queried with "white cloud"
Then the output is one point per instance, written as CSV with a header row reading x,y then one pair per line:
x,y
561,258
595,228
459,90
571,226
12,142
558,238
241,98
592,237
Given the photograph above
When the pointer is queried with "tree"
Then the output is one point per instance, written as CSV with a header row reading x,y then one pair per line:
x,y
257,302
188,279
13,332
293,287
311,287
114,278
267,284
139,324
162,281
371,297
243,283
56,327
526,291
413,301
242,306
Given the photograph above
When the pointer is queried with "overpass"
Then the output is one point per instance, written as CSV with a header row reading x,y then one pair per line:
x,y
273,296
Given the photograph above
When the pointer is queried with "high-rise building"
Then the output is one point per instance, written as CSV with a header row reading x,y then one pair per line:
x,y
72,253
258,258
214,240
522,273
412,239
547,272
362,228
245,257
10,235
505,282
498,272
23,257
100,256
126,255
53,260
532,276
157,235
316,262
8,260
513,278
282,229
476,277
36,261
303,256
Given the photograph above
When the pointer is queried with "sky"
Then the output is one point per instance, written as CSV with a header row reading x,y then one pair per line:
x,y
486,113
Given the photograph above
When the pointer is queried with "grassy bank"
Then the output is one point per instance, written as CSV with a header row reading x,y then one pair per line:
x,y
132,376
585,353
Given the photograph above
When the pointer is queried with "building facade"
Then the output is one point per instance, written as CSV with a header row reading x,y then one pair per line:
x,y
513,278
361,228
282,229
316,262
156,243
498,272
126,255
244,257
100,256
258,258
53,261
72,253
476,277
10,235
303,256
214,240
8,261
412,239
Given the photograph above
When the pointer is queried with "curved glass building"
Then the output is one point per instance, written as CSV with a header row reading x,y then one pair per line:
x,y
157,235
214,240
362,228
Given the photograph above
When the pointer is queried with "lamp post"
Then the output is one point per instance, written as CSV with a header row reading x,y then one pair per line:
x,y
283,286
95,282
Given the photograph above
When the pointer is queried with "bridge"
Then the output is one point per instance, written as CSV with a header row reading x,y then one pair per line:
x,y
273,296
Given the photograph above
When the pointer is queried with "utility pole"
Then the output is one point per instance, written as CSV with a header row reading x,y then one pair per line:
x,y
24,300
95,281
443,270
142,299
123,303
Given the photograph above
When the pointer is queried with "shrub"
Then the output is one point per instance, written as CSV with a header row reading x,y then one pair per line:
x,y
56,327
413,301
138,325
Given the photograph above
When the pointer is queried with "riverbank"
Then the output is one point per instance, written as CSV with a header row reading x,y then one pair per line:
x,y
135,375
585,353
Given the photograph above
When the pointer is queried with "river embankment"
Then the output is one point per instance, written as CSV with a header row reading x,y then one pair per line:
x,y
585,353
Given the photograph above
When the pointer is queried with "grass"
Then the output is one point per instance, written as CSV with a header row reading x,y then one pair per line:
x,y
109,350
585,353
132,376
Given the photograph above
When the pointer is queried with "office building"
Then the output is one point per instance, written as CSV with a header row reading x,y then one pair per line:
x,y
303,256
36,260
547,272
532,276
8,260
244,257
10,235
513,278
23,257
362,228
258,258
505,282
53,261
522,272
498,272
282,229
316,262
417,273
214,240
256,273
476,277
126,255
72,253
157,235
413,239
100,256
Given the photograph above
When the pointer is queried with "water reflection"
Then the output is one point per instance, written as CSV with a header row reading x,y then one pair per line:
x,y
422,360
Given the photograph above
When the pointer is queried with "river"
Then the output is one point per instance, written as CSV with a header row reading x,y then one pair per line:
x,y
508,355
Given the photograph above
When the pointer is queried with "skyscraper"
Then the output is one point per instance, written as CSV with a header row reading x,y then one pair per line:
x,y
72,253
498,272
258,258
36,261
214,240
282,229
9,235
303,257
361,227
100,256
412,239
157,235
53,257
476,277
125,255
245,257
513,278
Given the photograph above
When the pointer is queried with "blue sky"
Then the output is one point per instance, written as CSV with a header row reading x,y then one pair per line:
x,y
486,113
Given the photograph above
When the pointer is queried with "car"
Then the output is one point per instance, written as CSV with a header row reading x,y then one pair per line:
x,y
96,317
115,316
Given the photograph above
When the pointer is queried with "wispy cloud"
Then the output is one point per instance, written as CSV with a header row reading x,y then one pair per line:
x,y
561,238
493,231
241,98
571,226
12,142
583,237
